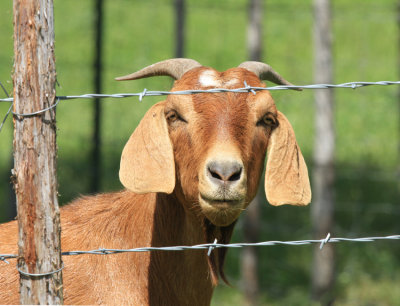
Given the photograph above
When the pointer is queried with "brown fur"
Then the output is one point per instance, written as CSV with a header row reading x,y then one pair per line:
x,y
215,123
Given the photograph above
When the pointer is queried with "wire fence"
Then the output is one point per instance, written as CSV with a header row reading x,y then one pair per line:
x,y
215,245
246,88
209,246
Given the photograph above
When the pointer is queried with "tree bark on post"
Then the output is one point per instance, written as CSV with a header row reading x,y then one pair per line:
x,y
251,220
322,208
179,28
34,173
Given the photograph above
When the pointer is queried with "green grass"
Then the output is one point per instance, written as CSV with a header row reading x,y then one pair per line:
x,y
138,33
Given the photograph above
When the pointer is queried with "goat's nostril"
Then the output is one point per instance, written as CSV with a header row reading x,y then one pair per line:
x,y
215,174
235,176
225,171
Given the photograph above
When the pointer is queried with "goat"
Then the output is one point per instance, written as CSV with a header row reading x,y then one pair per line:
x,y
190,168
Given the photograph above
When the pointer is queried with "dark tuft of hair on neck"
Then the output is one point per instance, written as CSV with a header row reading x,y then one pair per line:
x,y
216,259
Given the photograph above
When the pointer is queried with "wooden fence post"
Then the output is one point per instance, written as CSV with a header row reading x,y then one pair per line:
x,y
34,171
322,208
180,14
251,220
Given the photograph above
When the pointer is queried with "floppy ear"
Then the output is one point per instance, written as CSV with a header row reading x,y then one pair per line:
x,y
286,175
147,161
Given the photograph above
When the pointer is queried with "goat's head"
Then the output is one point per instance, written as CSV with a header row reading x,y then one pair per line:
x,y
209,148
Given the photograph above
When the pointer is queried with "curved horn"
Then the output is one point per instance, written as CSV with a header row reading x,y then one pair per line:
x,y
175,68
265,72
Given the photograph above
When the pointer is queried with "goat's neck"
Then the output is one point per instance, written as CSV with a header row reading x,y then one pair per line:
x,y
174,224
183,276
189,229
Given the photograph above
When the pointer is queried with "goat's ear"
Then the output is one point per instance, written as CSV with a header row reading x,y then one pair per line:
x,y
286,176
147,161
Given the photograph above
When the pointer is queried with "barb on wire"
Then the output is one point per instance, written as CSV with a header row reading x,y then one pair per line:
x,y
3,258
211,246
142,95
324,241
249,88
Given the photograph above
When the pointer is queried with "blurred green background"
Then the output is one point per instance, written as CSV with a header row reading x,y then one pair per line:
x,y
139,33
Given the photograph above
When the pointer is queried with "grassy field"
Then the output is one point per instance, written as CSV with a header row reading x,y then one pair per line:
x,y
140,33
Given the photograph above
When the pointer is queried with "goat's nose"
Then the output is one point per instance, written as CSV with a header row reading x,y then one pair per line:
x,y
224,171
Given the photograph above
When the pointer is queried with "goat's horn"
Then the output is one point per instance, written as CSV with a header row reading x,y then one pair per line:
x,y
265,72
175,68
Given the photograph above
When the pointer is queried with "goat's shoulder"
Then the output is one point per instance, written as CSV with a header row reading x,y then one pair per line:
x,y
118,220
106,204
8,236
109,217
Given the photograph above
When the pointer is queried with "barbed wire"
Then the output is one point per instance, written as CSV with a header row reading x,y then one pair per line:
x,y
210,246
246,88
145,92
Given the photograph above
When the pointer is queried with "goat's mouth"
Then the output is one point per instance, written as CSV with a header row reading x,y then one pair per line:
x,y
221,211
221,202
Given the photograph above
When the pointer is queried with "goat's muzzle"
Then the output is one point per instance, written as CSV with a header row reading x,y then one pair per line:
x,y
222,190
224,173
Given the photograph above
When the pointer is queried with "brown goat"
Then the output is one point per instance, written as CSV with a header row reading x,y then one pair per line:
x,y
190,168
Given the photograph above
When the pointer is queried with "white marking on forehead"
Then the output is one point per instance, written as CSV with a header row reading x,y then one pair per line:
x,y
209,78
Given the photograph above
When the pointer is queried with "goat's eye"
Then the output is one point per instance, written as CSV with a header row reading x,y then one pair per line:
x,y
172,116
268,120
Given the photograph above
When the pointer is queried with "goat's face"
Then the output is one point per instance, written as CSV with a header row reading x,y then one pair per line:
x,y
209,148
219,141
